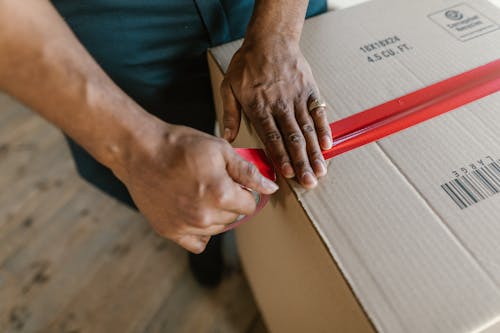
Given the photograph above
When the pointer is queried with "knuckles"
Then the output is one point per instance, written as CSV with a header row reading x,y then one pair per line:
x,y
220,195
316,155
280,108
256,106
308,128
295,138
202,220
319,112
324,131
249,171
272,137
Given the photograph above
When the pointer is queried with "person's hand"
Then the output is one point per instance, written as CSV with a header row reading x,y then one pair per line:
x,y
273,84
187,183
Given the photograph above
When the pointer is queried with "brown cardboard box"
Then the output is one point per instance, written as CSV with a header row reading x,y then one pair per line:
x,y
379,245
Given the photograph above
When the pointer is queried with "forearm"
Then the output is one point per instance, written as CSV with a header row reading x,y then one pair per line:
x,y
277,18
44,65
189,185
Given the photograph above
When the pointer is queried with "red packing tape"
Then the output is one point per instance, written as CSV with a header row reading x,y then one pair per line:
x,y
393,116
259,158
400,113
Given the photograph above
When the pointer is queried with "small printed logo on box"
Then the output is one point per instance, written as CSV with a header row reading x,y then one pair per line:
x,y
464,22
454,15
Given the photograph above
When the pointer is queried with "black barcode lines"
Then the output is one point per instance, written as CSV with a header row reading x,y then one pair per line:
x,y
477,185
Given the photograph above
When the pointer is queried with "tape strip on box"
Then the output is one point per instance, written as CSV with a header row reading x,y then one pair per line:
x,y
393,116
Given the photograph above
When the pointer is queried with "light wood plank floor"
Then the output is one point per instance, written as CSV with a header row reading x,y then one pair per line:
x,y
73,260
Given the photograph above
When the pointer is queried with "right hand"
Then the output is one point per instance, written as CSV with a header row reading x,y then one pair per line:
x,y
187,183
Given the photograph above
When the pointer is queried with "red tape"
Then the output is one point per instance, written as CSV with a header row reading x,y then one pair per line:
x,y
393,116
259,158
400,113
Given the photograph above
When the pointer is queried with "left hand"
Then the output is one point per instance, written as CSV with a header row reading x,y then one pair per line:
x,y
273,84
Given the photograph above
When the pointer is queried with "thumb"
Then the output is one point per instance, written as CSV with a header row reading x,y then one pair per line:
x,y
232,112
246,173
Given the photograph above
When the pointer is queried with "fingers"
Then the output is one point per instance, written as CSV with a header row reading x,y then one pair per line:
x,y
268,131
226,201
294,137
193,243
195,237
246,174
211,220
323,130
295,143
210,230
307,126
231,112
238,201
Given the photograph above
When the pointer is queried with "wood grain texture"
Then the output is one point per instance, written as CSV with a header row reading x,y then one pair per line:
x,y
74,260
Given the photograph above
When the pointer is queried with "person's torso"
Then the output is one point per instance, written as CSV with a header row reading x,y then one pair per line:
x,y
155,49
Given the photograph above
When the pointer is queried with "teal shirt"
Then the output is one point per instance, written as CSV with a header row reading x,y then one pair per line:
x,y
155,50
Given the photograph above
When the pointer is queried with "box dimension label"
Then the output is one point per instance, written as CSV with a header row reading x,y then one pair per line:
x,y
463,22
384,48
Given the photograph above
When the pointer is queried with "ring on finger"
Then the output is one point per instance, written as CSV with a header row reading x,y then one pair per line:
x,y
315,104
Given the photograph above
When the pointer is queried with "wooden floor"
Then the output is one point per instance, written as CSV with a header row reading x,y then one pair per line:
x,y
74,260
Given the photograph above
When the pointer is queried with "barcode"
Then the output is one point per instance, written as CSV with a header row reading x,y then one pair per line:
x,y
477,185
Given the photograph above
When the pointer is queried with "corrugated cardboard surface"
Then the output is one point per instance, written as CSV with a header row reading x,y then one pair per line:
x,y
413,258
340,4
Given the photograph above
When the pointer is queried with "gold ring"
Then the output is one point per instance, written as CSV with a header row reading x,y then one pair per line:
x,y
315,104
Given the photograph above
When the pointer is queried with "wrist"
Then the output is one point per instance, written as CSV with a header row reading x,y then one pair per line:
x,y
116,149
137,142
277,20
270,43
272,36
272,50
119,130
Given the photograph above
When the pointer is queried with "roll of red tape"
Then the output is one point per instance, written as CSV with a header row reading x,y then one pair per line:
x,y
259,159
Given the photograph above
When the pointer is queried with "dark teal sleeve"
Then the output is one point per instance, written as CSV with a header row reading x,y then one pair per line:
x,y
227,20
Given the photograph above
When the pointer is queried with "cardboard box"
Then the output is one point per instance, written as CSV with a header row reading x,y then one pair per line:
x,y
380,246
340,4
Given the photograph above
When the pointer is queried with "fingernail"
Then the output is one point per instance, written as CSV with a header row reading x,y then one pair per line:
x,y
320,168
309,180
270,185
227,134
287,170
326,142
